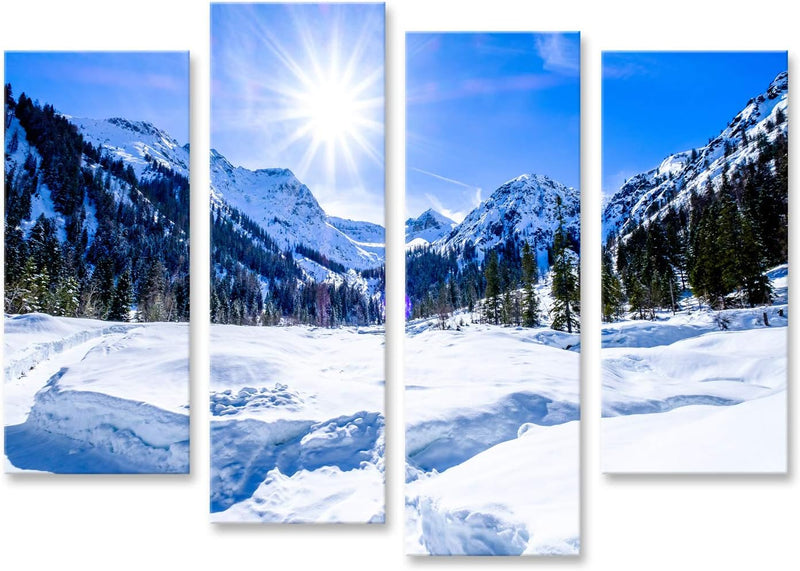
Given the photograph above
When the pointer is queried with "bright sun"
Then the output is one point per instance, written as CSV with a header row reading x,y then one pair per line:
x,y
332,111
332,98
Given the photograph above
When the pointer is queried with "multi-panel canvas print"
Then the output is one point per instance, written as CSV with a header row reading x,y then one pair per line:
x,y
96,346
492,293
695,262
297,263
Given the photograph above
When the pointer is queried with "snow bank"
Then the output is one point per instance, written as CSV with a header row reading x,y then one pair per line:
x,y
297,424
732,366
35,337
746,438
90,396
491,441
108,435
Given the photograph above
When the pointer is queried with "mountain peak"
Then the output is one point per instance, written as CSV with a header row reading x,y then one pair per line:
x,y
277,172
287,210
134,142
428,226
644,196
779,85
527,207
142,127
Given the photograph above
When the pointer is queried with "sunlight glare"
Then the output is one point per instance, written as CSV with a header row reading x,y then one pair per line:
x,y
330,108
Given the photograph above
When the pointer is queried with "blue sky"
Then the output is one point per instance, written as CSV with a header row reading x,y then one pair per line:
x,y
140,86
483,108
301,86
659,103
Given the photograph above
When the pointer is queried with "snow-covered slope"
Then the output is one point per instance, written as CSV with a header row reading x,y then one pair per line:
x,y
492,445
297,424
682,395
427,227
645,195
129,141
132,141
525,207
368,236
287,210
84,396
41,201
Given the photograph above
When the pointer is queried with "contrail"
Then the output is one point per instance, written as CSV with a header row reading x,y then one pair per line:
x,y
444,178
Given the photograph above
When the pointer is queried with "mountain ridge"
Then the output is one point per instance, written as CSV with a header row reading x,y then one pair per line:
x,y
680,173
276,200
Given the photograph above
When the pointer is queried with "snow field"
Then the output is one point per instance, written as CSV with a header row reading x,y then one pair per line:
x,y
297,430
492,441
95,396
681,395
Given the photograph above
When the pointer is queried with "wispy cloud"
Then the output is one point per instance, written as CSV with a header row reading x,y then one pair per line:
x,y
106,76
435,92
623,70
475,197
624,65
456,215
561,53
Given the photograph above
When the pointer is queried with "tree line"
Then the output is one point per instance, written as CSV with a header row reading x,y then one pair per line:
x,y
113,243
255,282
500,288
718,245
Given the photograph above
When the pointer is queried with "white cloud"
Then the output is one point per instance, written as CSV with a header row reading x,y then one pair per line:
x,y
474,199
456,215
560,54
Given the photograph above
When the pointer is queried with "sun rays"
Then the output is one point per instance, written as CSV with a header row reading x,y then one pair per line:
x,y
323,102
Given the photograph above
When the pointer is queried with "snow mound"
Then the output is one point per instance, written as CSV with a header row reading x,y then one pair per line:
x,y
70,431
297,427
682,395
228,403
252,460
90,396
518,497
326,495
491,444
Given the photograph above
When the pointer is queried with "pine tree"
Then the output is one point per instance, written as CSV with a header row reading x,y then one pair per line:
x,y
443,306
30,292
492,287
151,302
612,290
66,298
103,287
530,312
121,300
566,291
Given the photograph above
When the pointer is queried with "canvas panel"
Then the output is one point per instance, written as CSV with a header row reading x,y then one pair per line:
x,y
493,300
695,262
297,242
96,346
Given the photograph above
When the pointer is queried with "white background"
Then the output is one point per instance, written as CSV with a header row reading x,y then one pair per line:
x,y
731,522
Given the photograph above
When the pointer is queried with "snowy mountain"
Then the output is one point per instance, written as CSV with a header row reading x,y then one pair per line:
x,y
427,228
646,195
289,213
525,207
99,207
370,237
133,141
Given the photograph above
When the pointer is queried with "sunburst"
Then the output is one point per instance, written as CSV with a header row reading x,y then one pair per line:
x,y
329,98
